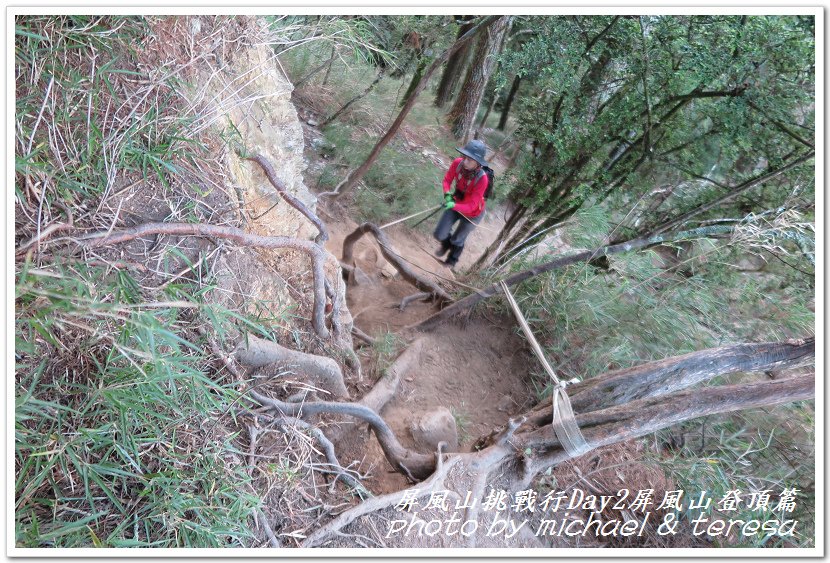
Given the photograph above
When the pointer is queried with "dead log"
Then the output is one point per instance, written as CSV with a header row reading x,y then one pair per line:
x,y
324,372
644,416
317,254
677,373
394,258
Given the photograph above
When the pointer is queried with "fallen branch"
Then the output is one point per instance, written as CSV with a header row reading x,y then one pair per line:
x,y
317,254
328,451
323,235
391,255
324,372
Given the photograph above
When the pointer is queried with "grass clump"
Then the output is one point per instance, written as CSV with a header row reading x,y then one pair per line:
x,y
124,434
384,351
117,435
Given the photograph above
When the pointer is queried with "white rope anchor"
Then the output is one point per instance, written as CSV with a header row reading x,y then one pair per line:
x,y
564,423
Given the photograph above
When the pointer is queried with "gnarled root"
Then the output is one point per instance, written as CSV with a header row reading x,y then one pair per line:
x,y
393,256
240,237
433,484
324,372
323,236
404,460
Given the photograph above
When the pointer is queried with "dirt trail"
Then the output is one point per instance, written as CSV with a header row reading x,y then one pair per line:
x,y
478,371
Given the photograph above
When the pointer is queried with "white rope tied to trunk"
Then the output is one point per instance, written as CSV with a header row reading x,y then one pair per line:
x,y
564,423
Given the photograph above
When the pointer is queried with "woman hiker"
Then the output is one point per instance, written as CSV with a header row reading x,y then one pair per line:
x,y
464,205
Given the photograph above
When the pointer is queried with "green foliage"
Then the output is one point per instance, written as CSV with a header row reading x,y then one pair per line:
x,y
116,437
620,103
723,454
638,307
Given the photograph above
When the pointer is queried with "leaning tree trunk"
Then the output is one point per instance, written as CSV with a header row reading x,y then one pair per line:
x,y
508,102
356,175
609,409
463,112
416,78
563,261
455,64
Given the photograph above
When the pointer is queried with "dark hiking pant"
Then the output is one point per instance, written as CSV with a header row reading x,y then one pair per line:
x,y
455,241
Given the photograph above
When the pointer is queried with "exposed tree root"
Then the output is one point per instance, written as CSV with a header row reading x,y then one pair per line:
x,y
410,298
323,236
387,385
601,428
272,537
324,372
362,335
418,465
433,484
393,257
317,254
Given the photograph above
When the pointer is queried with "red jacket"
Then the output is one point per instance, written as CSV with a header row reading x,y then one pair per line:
x,y
469,195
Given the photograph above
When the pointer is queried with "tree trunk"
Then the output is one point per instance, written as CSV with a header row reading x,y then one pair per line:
x,y
328,69
496,92
561,262
416,78
355,176
496,246
455,65
463,112
489,109
508,102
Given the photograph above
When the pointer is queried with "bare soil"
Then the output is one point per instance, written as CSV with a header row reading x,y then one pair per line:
x,y
479,371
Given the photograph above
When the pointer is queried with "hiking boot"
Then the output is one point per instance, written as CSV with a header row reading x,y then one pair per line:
x,y
443,249
451,264
455,254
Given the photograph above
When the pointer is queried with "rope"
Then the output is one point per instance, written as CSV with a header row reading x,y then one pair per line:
x,y
409,217
564,423
479,225
477,290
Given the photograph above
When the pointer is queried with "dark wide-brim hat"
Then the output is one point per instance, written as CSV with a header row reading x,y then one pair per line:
x,y
476,150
